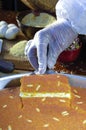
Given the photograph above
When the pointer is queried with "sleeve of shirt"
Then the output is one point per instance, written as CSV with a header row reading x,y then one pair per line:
x,y
75,12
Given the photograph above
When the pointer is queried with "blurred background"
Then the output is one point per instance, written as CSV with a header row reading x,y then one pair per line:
x,y
9,9
14,5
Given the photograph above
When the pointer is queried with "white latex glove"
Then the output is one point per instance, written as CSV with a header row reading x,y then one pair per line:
x,y
48,43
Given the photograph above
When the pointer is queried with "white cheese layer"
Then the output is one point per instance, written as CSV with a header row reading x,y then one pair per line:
x,y
51,95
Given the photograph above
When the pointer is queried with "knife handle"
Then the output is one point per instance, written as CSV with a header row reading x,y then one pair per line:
x,y
6,66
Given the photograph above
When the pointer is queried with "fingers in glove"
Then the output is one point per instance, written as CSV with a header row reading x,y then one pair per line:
x,y
42,42
27,46
42,58
53,53
31,54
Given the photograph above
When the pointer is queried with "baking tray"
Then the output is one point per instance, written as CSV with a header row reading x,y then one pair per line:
x,y
74,80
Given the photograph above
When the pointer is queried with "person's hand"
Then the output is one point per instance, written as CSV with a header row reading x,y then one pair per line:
x,y
43,50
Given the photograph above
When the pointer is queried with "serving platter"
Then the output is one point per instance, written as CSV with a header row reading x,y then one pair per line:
x,y
44,109
74,80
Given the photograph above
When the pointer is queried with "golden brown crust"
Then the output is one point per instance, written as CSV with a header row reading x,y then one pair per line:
x,y
45,83
41,114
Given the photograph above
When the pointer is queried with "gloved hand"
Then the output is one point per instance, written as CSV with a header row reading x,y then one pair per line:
x,y
43,50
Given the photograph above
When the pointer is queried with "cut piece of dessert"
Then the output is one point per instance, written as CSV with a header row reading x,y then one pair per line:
x,y
44,86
